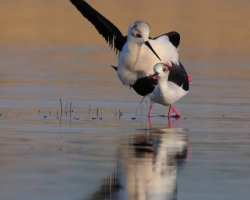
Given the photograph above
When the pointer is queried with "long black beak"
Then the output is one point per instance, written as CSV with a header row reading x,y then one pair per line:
x,y
151,48
156,74
115,68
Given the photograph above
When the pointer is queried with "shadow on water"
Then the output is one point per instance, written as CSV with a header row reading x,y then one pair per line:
x,y
147,166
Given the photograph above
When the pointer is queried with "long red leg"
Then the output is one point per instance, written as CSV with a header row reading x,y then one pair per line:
x,y
177,113
172,122
150,123
169,111
150,110
172,109
169,123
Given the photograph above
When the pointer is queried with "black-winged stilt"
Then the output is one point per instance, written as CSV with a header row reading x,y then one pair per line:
x,y
136,60
172,85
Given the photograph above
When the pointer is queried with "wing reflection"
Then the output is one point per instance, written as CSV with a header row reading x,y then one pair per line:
x,y
146,168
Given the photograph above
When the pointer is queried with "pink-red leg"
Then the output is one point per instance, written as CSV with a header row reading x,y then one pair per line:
x,y
177,113
150,110
172,109
169,123
150,123
169,111
172,123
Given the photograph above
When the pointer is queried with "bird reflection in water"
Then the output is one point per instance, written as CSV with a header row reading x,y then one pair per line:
x,y
147,167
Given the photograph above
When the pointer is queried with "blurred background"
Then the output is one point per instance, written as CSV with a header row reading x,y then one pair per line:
x,y
49,51
35,21
45,34
221,26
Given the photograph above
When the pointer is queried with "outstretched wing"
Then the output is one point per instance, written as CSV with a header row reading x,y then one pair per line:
x,y
174,38
109,31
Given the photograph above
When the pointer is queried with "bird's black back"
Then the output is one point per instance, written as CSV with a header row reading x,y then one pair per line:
x,y
178,75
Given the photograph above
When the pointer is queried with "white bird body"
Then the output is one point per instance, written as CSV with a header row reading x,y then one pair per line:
x,y
167,92
137,60
138,53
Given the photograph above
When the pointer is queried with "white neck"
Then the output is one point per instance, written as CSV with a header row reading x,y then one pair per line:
x,y
163,81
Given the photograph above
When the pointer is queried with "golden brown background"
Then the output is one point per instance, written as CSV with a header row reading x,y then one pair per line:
x,y
217,25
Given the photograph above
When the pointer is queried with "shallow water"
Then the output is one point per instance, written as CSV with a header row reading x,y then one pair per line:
x,y
102,147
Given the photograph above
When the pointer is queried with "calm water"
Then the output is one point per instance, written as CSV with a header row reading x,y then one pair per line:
x,y
103,147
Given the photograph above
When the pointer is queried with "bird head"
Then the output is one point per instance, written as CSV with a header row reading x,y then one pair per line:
x,y
161,70
139,31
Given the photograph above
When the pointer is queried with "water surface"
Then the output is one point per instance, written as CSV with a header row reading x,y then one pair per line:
x,y
104,148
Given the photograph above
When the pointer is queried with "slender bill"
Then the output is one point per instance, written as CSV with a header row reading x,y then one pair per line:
x,y
155,74
151,48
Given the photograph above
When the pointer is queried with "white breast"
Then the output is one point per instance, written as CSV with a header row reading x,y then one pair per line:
x,y
137,62
167,94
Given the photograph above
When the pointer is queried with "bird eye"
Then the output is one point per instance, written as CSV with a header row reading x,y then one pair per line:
x,y
164,69
138,35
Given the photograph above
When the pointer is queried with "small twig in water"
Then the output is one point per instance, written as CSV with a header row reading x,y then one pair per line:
x,y
70,109
61,106
89,112
66,108
120,114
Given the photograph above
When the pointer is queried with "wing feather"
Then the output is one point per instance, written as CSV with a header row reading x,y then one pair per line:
x,y
174,38
109,31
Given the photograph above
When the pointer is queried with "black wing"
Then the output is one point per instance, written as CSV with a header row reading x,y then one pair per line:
x,y
109,31
174,38
143,86
178,75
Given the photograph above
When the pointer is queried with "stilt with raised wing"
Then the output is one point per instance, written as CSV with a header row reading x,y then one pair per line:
x,y
138,53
